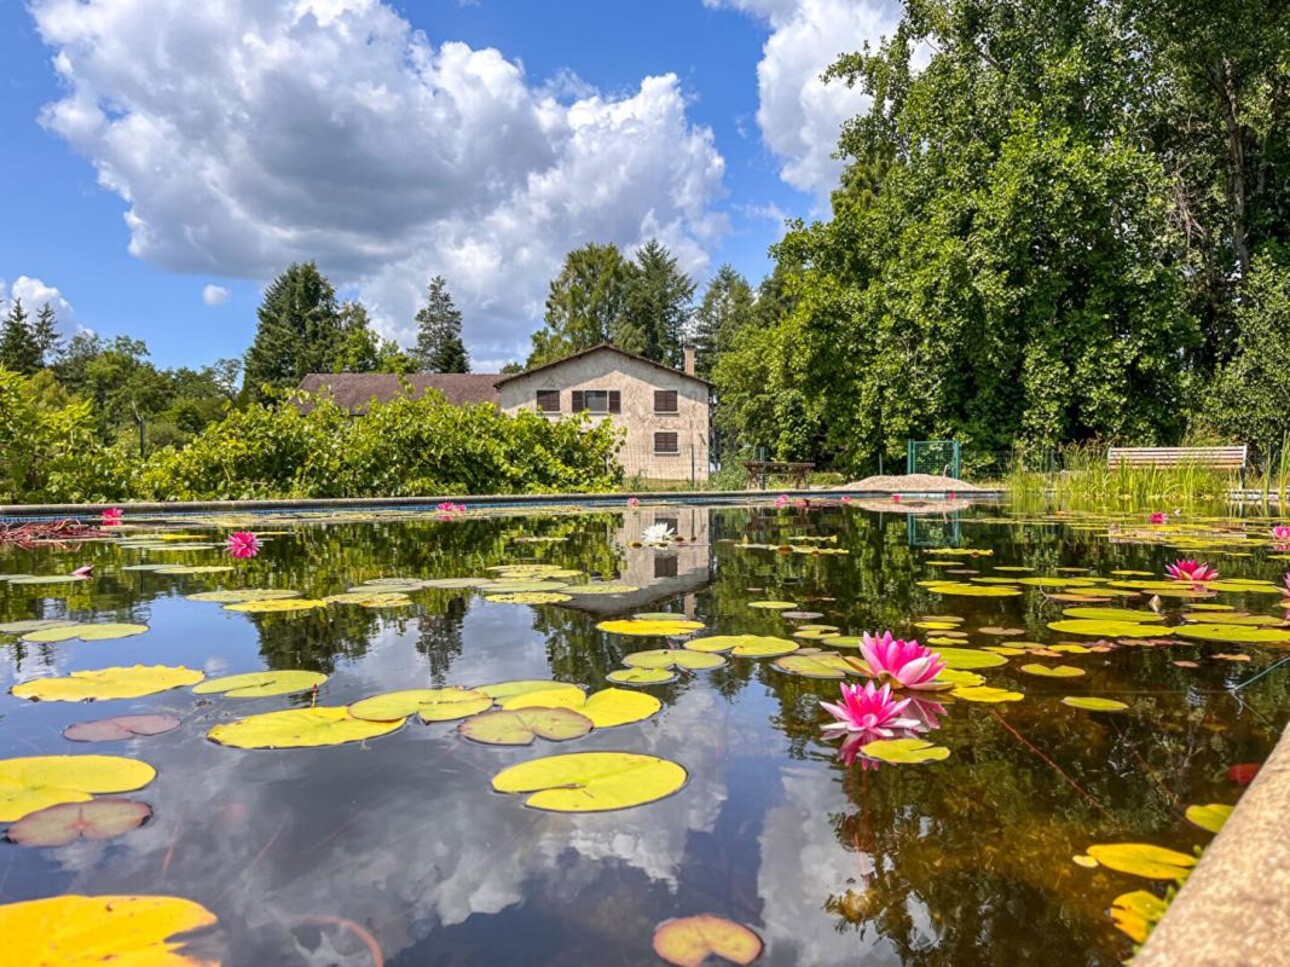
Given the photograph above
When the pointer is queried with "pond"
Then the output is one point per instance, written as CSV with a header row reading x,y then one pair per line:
x,y
397,849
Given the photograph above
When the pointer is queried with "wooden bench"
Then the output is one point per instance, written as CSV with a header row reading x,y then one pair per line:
x,y
1210,458
759,470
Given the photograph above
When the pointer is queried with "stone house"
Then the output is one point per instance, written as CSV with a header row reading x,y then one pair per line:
x,y
666,413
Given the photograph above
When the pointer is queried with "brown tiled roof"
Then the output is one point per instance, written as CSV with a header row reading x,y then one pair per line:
x,y
353,391
598,348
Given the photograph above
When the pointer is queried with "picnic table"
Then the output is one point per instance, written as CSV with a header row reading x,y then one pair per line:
x,y
759,470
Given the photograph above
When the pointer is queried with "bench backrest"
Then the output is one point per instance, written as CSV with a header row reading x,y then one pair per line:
x,y
1221,458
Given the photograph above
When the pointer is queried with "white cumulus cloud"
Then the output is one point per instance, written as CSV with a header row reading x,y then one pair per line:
x,y
215,295
799,115
247,134
35,293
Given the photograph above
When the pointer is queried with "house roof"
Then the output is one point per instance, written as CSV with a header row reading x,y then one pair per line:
x,y
595,349
353,391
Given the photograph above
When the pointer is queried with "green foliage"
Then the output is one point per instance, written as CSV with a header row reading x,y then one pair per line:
x,y
727,308
439,346
19,350
301,330
657,306
44,332
402,448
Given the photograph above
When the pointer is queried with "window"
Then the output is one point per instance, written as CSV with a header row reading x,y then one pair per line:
x,y
548,400
669,522
665,565
665,401
597,401
666,443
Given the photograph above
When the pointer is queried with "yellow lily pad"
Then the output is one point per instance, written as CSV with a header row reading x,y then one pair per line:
x,y
641,676
583,782
1209,818
1091,703
968,659
773,605
828,664
1144,859
691,941
660,658
104,683
965,590
502,690
528,597
242,595
390,599
986,694
1245,587
959,678
30,783
1252,620
650,628
744,646
580,589
607,708
260,684
277,605
84,632
1233,634
82,931
1053,671
1132,615
905,751
299,728
1104,628
431,704
1136,914
522,726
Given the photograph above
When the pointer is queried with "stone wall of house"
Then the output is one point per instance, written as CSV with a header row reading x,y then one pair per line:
x,y
636,381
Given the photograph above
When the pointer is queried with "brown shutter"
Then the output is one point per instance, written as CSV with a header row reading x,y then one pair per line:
x,y
615,401
577,401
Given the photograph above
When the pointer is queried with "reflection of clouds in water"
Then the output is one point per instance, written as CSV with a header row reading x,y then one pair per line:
x,y
401,836
803,864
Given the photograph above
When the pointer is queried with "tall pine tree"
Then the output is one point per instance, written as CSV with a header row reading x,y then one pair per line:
x,y
18,349
726,308
585,304
439,347
45,332
657,306
301,330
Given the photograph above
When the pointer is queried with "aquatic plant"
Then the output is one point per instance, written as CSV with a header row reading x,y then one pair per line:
x,y
658,535
781,500
243,544
633,502
1159,517
1193,571
112,516
868,711
1281,533
902,664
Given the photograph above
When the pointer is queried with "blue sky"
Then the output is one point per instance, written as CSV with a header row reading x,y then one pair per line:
x,y
160,166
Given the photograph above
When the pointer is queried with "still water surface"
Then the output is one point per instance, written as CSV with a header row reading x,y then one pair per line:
x,y
960,862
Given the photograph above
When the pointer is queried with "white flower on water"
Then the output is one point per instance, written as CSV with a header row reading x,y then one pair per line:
x,y
658,535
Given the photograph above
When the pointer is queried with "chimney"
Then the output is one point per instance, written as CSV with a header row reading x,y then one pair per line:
x,y
689,360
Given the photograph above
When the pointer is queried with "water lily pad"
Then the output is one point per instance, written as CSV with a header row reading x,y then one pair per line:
x,y
1008,651
690,941
243,595
299,728
1132,615
964,590
431,704
673,627
580,589
260,684
905,751
744,646
1209,818
26,627
987,694
1251,620
641,676
1103,628
100,930
84,632
968,659
583,782
391,599
104,683
191,569
277,606
1245,587
502,690
660,658
120,727
846,641
525,587
1092,703
773,605
821,665
1143,859
959,678
48,579
528,597
1137,913
522,726
35,782
1054,671
1234,634
67,822
607,708
453,584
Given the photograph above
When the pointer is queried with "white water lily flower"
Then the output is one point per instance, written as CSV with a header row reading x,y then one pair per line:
x,y
658,535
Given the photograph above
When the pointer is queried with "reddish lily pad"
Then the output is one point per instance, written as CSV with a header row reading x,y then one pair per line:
x,y
1243,773
690,941
68,822
120,727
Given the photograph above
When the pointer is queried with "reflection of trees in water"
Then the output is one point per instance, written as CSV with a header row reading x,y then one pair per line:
x,y
439,638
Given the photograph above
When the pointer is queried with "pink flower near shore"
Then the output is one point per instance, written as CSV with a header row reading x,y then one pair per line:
x,y
450,511
1159,517
895,498
1193,571
901,664
845,500
781,500
633,502
1281,532
243,544
112,516
866,710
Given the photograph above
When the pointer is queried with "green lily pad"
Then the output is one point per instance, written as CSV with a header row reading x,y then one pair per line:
x,y
260,684
84,632
968,659
744,646
502,690
1245,587
277,606
1099,628
986,694
964,590
522,726
607,708
905,751
1093,704
641,676
431,704
1234,634
1132,615
584,782
827,664
243,595
1251,620
773,605
1054,671
1145,860
529,597
580,589
660,658
48,579
1209,818
26,627
390,599
1136,914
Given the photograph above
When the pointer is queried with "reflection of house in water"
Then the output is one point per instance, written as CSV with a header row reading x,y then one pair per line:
x,y
682,568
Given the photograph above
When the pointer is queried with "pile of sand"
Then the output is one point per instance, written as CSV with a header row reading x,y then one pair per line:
x,y
914,483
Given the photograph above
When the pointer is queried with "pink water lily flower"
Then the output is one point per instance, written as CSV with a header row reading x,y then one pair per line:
x,y
112,516
1281,532
845,500
902,664
868,710
243,544
84,572
1159,517
1193,571
781,500
633,502
1286,581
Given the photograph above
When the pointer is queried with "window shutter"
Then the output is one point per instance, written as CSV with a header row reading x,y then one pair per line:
x,y
615,401
577,401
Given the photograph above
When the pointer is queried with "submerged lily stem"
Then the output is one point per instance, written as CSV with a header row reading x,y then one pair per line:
x,y
1056,768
